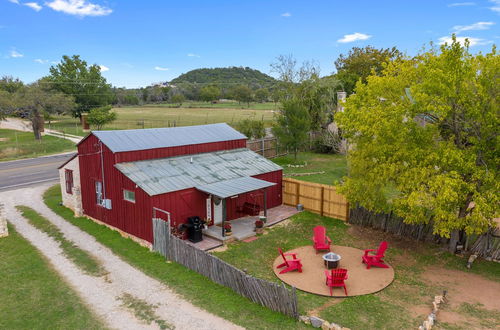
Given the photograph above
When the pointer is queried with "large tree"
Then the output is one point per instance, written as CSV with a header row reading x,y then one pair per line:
x,y
34,101
74,77
292,125
210,93
359,63
242,93
424,140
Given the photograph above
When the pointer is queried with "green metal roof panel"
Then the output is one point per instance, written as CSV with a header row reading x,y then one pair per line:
x,y
233,187
159,176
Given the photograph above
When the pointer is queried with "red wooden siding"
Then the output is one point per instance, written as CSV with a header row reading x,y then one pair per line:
x,y
135,218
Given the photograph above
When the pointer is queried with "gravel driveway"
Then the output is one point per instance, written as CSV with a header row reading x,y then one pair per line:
x,y
100,293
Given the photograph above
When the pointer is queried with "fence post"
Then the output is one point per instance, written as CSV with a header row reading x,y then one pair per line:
x,y
321,212
297,192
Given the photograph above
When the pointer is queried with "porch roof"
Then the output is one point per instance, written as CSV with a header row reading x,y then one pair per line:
x,y
228,188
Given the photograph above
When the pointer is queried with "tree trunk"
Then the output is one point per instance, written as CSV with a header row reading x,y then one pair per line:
x,y
35,123
452,244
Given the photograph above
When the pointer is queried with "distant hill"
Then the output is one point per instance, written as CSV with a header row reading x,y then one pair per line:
x,y
226,77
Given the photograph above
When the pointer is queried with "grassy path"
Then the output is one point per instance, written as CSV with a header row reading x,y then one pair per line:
x,y
33,295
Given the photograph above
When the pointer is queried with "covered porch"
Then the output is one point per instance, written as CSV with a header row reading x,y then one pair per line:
x,y
244,227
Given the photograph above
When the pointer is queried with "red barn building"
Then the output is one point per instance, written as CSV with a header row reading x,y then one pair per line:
x,y
204,171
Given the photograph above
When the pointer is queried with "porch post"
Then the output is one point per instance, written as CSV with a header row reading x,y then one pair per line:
x,y
224,215
265,202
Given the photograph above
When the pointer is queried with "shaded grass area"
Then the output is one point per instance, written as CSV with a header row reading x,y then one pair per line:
x,y
167,115
81,258
32,295
334,166
143,310
389,309
202,292
17,145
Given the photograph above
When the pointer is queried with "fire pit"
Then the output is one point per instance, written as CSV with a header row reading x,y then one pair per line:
x,y
331,260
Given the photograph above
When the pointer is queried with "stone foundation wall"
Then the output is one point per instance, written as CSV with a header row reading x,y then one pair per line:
x,y
4,231
73,200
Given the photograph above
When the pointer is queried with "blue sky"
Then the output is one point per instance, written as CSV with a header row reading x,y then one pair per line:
x,y
141,42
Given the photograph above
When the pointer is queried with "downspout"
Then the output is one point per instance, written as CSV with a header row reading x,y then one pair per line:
x,y
102,170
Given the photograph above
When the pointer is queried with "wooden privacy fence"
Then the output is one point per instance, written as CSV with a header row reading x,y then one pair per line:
x,y
318,198
268,294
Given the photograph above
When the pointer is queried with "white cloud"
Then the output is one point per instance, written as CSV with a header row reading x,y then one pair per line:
x,y
103,68
79,8
472,41
461,4
33,5
15,54
14,1
496,6
159,68
354,37
473,27
39,60
287,14
193,55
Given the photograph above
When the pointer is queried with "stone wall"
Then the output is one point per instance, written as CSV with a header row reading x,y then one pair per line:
x,y
73,200
4,231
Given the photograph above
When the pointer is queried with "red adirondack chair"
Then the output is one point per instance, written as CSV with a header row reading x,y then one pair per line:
x,y
290,264
375,259
336,278
320,240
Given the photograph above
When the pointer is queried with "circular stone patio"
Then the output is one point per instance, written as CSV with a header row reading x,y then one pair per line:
x,y
312,279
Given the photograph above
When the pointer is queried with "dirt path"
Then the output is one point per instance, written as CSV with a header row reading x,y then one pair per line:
x,y
101,293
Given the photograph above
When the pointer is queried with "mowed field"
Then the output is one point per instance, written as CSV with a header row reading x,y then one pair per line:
x,y
167,115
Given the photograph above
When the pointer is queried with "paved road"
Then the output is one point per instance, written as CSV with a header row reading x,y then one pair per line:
x,y
30,172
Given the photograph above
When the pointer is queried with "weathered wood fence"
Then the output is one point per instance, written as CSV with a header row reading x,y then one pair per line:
x,y
486,245
271,295
318,198
267,147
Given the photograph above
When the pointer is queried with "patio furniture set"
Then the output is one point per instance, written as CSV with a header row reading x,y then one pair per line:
x,y
335,277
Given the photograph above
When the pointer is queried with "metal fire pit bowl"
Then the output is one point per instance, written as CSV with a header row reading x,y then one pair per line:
x,y
331,260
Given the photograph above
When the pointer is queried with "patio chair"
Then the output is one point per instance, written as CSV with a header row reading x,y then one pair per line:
x,y
290,264
375,259
320,240
336,278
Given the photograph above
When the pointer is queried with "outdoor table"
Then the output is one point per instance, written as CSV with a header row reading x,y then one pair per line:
x,y
331,260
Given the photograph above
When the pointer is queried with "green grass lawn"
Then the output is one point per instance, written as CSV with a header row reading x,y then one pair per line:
x,y
199,290
32,295
388,309
165,115
334,166
17,145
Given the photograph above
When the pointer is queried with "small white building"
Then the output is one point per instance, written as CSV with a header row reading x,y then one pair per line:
x,y
69,177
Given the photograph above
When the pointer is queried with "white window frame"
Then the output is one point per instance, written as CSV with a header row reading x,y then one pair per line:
x,y
98,193
127,198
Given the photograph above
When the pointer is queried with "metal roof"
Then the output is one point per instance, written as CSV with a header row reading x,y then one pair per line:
x,y
233,187
152,138
159,176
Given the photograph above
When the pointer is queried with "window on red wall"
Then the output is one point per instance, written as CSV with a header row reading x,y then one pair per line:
x,y
68,174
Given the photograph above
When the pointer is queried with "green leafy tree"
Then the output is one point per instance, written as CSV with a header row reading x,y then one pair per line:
x,y
178,98
210,93
262,95
74,77
360,62
242,93
292,125
34,102
10,84
253,129
101,116
424,137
